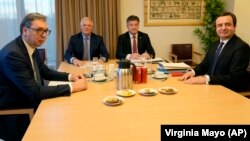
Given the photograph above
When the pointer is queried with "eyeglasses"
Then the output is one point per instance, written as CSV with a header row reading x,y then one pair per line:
x,y
40,31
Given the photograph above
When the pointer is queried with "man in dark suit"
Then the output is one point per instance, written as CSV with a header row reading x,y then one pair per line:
x,y
21,75
86,45
230,67
134,44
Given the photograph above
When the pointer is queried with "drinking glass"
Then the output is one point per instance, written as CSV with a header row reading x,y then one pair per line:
x,y
150,66
95,63
111,71
88,69
95,60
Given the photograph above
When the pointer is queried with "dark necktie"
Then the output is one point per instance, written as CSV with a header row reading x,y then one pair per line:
x,y
86,49
216,56
36,69
134,45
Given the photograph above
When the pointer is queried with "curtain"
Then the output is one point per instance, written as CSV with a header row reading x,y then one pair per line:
x,y
104,14
11,14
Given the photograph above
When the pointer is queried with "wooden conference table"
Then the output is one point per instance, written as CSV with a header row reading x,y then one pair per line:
x,y
84,117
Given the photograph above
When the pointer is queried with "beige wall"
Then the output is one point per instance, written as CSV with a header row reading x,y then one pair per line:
x,y
162,36
242,10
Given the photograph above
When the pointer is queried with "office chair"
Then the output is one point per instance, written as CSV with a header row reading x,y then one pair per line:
x,y
184,53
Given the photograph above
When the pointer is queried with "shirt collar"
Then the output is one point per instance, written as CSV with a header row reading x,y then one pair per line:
x,y
131,35
224,41
86,36
29,48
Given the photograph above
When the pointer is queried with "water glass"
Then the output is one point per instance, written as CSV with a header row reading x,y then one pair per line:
x,y
101,69
111,71
95,63
88,69
95,60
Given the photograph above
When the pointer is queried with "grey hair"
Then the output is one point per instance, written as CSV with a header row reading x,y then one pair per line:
x,y
86,19
27,20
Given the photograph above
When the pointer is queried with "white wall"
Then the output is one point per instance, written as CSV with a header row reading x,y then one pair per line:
x,y
162,36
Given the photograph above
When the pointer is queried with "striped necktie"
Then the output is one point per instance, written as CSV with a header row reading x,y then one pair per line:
x,y
135,50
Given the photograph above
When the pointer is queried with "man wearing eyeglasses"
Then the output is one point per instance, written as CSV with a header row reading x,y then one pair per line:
x,y
21,75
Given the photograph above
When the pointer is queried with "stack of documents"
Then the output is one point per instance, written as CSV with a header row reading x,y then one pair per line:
x,y
174,66
177,69
155,60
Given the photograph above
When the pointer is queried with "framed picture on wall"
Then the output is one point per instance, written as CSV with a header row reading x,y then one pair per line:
x,y
173,12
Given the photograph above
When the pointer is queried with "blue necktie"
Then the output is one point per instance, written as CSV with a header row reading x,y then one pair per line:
x,y
217,54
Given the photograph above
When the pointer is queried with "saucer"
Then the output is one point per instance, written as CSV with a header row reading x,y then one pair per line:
x,y
126,93
99,79
148,91
167,90
113,100
159,76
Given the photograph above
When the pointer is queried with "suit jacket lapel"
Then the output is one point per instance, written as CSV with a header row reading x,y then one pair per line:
x,y
92,45
139,40
24,50
128,42
226,49
80,44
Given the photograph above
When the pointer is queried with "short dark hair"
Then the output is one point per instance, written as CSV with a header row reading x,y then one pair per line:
x,y
27,20
229,14
133,18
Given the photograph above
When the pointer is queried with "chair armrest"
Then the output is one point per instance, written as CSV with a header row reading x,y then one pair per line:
x,y
29,111
246,94
174,56
198,54
168,61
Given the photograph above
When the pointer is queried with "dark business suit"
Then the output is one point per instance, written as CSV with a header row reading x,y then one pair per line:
x,y
18,87
124,45
230,70
76,48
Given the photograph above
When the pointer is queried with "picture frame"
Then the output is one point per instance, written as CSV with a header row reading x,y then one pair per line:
x,y
174,12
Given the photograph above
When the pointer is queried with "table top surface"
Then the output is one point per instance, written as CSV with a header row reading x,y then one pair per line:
x,y
84,116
